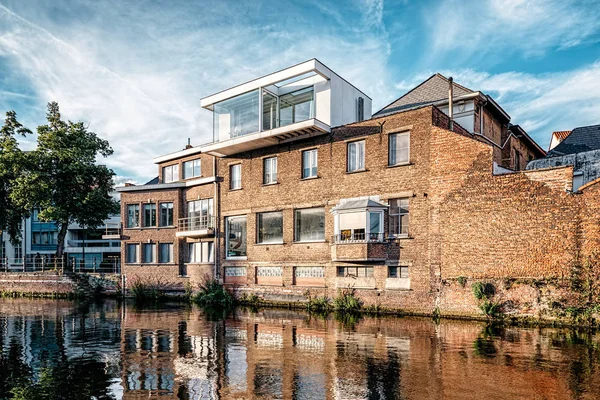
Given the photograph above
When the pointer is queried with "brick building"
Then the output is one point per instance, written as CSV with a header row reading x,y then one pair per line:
x,y
303,192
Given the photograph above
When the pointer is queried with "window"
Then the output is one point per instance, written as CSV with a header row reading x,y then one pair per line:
x,y
165,255
397,272
201,252
236,116
149,250
270,170
235,236
192,169
200,213
310,224
149,211
235,176
356,156
355,272
360,109
399,216
170,173
296,106
399,148
132,253
270,227
309,272
166,214
35,215
235,271
133,215
309,164
269,111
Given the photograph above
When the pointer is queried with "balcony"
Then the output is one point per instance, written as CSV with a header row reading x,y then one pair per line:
x,y
196,227
359,247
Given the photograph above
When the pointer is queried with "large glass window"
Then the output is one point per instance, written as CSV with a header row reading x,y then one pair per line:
x,y
170,173
270,170
399,148
236,236
399,209
165,254
269,111
310,224
132,253
354,272
235,117
356,156
149,253
309,163
296,106
192,169
133,215
235,176
166,214
270,227
149,215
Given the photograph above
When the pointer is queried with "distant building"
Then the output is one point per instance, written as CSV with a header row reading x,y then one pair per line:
x,y
579,148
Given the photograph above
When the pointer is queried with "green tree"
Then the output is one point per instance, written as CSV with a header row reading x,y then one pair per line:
x,y
63,179
12,162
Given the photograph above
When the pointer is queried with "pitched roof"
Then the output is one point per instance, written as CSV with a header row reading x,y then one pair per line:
x,y
153,181
561,135
584,138
359,204
433,89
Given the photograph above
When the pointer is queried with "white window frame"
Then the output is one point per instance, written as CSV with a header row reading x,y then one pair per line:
x,y
393,149
137,253
354,162
143,255
228,257
399,216
296,233
197,162
235,184
173,175
313,162
170,260
269,171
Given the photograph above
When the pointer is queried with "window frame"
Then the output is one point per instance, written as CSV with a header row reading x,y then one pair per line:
x,y
231,181
296,227
195,161
152,207
227,238
174,173
259,223
272,177
137,206
398,215
394,136
160,250
356,157
137,253
310,167
161,209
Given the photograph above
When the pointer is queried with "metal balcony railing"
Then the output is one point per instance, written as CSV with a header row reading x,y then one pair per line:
x,y
359,237
197,223
95,243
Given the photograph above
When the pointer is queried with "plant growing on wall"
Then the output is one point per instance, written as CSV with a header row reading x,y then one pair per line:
x,y
484,292
585,285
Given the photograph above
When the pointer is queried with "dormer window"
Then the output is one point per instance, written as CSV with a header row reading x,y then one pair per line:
x,y
170,173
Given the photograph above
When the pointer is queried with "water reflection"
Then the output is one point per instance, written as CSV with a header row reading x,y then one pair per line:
x,y
53,350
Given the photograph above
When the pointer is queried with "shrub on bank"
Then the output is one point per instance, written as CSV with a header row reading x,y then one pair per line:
x,y
347,301
212,293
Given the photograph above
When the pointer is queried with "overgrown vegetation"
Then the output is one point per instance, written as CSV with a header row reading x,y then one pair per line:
x,y
252,300
147,290
462,281
212,293
584,306
319,304
346,301
484,292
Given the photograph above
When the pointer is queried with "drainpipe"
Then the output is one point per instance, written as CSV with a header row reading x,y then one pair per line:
x,y
217,208
450,105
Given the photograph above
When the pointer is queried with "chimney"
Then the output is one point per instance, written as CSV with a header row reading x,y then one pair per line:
x,y
189,145
450,105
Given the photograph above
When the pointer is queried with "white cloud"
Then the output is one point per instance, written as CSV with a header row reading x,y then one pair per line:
x,y
506,27
136,74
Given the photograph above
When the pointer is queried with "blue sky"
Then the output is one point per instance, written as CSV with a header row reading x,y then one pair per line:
x,y
135,70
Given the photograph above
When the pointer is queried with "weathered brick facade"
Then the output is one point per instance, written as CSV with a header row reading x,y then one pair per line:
x,y
464,221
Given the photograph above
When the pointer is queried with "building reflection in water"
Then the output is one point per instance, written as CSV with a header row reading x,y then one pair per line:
x,y
109,351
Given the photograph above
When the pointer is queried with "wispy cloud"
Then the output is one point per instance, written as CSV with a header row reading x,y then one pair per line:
x,y
508,27
136,73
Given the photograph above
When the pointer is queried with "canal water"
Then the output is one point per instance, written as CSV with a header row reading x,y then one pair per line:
x,y
66,350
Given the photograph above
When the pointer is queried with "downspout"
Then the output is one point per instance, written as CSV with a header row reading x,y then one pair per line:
x,y
217,205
